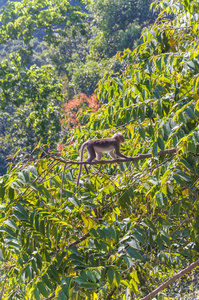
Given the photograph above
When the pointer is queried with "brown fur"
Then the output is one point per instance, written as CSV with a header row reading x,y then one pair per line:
x,y
95,148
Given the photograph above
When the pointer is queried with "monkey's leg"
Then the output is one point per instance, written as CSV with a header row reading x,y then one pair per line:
x,y
91,156
98,155
85,167
112,154
121,155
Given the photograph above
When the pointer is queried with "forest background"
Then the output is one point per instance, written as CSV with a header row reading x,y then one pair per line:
x,y
74,50
127,228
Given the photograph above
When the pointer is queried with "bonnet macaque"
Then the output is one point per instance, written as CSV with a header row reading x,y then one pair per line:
x,y
95,148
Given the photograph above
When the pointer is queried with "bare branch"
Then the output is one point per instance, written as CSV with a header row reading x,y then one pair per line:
x,y
7,267
112,161
184,221
51,297
62,181
84,237
172,279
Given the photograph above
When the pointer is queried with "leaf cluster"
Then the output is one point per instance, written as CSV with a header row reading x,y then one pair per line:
x,y
127,228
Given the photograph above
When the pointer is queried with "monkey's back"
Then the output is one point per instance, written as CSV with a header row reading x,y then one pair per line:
x,y
103,145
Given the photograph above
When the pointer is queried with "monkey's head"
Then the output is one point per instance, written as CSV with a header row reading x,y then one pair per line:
x,y
119,137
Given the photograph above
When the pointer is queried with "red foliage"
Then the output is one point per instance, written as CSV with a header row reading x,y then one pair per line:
x,y
93,102
60,147
72,107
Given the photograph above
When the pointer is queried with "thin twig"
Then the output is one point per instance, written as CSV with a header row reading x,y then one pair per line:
x,y
186,220
51,297
62,184
180,28
162,163
109,296
84,237
8,267
171,280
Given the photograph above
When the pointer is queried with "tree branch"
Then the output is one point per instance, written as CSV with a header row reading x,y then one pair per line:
x,y
51,297
172,279
184,221
112,161
84,237
8,267
62,181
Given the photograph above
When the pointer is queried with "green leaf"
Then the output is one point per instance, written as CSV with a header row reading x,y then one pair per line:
x,y
75,201
189,112
150,131
94,232
39,261
167,129
113,232
26,174
61,296
142,132
155,149
21,209
53,274
11,224
47,282
65,289
110,274
36,293
178,179
139,238
149,224
159,199
75,251
89,285
184,176
159,63
81,279
107,233
192,147
166,240
91,276
196,83
118,277
159,242
20,216
11,193
42,289
103,246
101,233
134,244
41,189
61,259
175,140
134,254
197,168
161,143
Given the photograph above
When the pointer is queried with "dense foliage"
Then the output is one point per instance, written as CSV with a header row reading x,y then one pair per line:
x,y
39,34
31,95
127,228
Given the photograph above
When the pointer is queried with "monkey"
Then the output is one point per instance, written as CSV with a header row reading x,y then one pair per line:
x,y
95,147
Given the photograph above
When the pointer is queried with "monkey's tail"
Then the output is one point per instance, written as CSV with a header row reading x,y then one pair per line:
x,y
81,159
